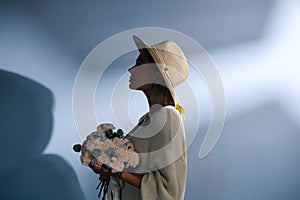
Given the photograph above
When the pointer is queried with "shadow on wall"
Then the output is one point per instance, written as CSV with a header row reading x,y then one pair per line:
x,y
26,125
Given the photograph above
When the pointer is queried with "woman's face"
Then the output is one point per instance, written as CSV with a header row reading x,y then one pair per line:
x,y
144,73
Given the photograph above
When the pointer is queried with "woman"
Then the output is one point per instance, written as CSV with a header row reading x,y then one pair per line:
x,y
159,137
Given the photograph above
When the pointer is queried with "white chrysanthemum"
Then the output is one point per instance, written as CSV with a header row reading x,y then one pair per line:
x,y
119,142
133,160
105,127
86,157
118,164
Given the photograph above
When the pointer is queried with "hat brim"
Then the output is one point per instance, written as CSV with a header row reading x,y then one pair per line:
x,y
139,43
159,63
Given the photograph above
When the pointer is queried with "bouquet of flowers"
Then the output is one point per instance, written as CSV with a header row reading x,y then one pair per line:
x,y
109,149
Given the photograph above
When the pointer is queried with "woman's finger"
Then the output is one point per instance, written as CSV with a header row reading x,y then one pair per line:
x,y
96,168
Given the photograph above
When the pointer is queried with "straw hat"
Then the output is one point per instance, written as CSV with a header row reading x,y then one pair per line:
x,y
170,61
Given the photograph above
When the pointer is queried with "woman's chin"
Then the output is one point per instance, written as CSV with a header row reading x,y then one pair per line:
x,y
131,86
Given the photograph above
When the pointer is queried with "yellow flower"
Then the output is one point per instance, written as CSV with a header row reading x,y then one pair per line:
x,y
180,109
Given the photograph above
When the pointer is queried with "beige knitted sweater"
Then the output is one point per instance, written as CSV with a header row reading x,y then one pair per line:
x,y
160,140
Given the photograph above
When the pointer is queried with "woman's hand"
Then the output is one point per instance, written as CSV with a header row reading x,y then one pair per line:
x,y
97,168
130,178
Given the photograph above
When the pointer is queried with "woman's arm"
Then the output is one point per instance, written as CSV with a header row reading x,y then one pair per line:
x,y
130,178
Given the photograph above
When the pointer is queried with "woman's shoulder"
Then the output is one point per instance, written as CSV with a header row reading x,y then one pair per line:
x,y
172,110
163,116
159,115
169,111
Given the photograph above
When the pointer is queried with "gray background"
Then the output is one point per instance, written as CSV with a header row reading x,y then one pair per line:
x,y
254,44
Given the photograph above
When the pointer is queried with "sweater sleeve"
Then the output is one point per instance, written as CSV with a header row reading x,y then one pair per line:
x,y
165,184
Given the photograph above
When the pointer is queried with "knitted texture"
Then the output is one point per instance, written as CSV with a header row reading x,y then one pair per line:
x,y
164,171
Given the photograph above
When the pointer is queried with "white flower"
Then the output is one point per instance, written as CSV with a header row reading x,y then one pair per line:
x,y
105,127
117,153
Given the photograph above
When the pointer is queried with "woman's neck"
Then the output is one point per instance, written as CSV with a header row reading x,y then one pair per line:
x,y
156,96
153,99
